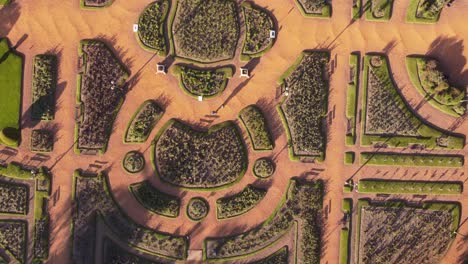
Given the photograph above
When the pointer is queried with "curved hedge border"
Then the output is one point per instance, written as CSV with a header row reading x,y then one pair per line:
x,y
429,133
178,70
91,7
257,128
266,165
411,14
162,28
153,121
239,203
369,12
155,200
413,72
136,156
254,8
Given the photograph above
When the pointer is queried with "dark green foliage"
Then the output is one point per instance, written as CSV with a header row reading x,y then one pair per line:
x,y
306,104
96,3
264,167
313,6
197,208
102,91
13,198
151,25
239,203
430,9
92,196
13,235
303,202
204,82
143,122
256,125
44,83
114,254
134,162
42,140
155,200
258,25
412,187
279,257
10,136
206,30
196,159
41,238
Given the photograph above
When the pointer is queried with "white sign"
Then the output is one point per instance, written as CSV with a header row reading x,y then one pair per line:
x,y
200,98
272,34
135,27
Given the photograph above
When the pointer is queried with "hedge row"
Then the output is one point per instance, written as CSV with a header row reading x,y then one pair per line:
x,y
396,159
412,187
257,128
239,203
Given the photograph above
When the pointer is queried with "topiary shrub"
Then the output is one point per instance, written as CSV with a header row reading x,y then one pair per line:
x,y
197,208
134,162
264,167
10,136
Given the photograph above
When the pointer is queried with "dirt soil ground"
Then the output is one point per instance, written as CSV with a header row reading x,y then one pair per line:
x,y
38,26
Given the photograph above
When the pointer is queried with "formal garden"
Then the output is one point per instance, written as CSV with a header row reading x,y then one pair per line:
x,y
155,200
406,234
143,121
100,93
189,158
303,110
43,86
256,125
152,27
425,11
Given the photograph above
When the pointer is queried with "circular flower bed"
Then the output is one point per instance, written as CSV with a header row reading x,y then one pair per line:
x,y
376,61
264,168
134,162
197,208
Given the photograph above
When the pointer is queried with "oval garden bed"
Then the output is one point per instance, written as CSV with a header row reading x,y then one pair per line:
x,y
134,162
264,168
203,82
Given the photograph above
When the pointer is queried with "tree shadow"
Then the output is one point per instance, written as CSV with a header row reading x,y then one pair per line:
x,y
449,52
9,15
390,46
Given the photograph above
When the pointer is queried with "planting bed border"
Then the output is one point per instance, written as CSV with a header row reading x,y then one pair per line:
x,y
455,207
293,156
409,187
431,132
227,70
134,119
191,202
156,192
227,199
251,133
327,11
352,96
411,14
164,29
413,73
369,14
413,160
51,96
211,129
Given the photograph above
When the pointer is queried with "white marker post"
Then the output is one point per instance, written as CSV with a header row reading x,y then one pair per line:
x,y
200,98
272,34
135,27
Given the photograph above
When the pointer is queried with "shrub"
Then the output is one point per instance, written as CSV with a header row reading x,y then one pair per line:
x,y
306,104
412,187
151,26
313,6
347,205
10,136
411,160
206,30
279,257
13,235
95,3
102,91
155,200
43,87
134,162
430,9
344,246
42,140
256,125
197,208
200,159
302,204
258,25
41,238
203,82
349,157
143,122
264,167
13,198
239,203
92,196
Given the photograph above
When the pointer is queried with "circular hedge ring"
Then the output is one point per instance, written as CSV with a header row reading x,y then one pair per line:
x,y
376,61
197,208
134,162
264,168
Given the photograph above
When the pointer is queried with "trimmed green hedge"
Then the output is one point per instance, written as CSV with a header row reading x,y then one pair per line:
x,y
326,10
279,257
143,121
256,125
152,27
412,17
396,159
344,246
347,205
349,158
352,97
386,7
239,203
411,187
155,200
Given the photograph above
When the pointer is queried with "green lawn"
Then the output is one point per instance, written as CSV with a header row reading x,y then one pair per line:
x,y
415,160
411,14
4,2
349,158
344,246
409,187
351,99
11,72
356,10
347,205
